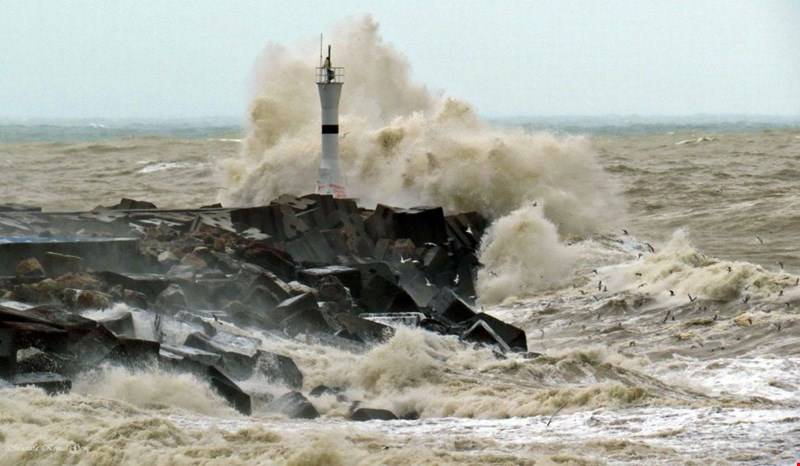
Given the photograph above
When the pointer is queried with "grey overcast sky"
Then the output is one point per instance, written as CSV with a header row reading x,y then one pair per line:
x,y
171,58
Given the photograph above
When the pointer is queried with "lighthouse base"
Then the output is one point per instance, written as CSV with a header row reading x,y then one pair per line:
x,y
335,190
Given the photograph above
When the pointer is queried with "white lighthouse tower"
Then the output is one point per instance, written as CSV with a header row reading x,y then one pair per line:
x,y
329,83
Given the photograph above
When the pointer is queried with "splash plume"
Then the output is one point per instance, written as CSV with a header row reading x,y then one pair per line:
x,y
405,145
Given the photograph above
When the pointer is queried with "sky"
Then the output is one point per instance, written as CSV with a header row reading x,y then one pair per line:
x,y
190,59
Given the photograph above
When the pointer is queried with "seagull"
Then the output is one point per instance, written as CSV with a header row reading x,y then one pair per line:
x,y
780,264
716,316
797,282
469,230
431,244
455,280
600,285
650,247
428,283
640,255
671,293
535,204
638,274
624,232
605,289
493,273
730,269
403,260
759,239
691,298
595,271
746,299
780,293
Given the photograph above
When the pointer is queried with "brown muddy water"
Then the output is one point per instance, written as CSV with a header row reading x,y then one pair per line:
x,y
648,355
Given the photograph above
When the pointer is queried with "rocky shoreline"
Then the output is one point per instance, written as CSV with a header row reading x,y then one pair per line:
x,y
313,268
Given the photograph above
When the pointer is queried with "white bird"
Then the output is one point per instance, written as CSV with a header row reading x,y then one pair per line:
x,y
469,230
455,280
403,260
431,244
428,282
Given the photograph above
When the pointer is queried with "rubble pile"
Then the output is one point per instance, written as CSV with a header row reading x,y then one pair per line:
x,y
312,267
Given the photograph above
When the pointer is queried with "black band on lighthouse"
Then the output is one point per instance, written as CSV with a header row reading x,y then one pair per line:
x,y
330,129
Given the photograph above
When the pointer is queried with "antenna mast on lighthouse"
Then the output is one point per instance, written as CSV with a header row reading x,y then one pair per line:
x,y
329,84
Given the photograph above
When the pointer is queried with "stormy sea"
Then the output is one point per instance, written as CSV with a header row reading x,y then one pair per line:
x,y
653,263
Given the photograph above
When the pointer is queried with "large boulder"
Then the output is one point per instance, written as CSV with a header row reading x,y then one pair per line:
x,y
383,295
486,329
362,330
132,204
372,414
118,321
172,298
30,268
219,381
85,299
347,276
294,405
273,368
448,307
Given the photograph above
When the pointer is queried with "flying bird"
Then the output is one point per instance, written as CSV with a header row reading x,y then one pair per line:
x,y
759,239
624,231
671,293
650,247
691,298
730,269
455,280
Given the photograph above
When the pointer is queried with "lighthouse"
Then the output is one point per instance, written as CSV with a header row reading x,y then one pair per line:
x,y
329,84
